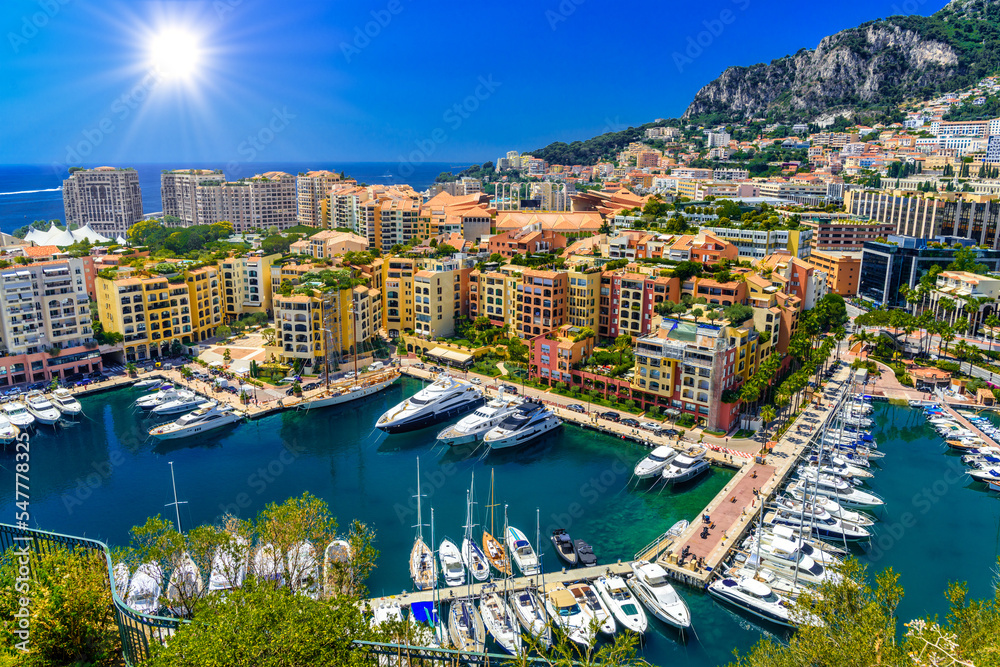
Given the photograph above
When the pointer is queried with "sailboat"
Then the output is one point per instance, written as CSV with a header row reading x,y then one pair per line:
x,y
185,583
495,552
472,555
422,570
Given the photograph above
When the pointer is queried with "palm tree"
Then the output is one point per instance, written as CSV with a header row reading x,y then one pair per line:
x,y
992,322
947,304
622,343
947,335
768,414
862,337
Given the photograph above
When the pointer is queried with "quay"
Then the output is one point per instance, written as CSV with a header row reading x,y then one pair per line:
x,y
957,416
563,576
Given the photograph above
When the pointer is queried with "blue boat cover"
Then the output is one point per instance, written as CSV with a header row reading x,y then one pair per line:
x,y
424,612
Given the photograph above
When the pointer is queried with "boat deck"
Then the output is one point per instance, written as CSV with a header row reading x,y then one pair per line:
x,y
563,576
969,425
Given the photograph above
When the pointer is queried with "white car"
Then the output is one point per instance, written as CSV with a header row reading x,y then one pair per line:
x,y
651,426
475,381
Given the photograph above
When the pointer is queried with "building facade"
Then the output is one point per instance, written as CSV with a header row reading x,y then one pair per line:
x,y
107,199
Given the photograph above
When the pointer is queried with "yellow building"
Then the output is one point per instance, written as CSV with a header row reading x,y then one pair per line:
x,y
246,284
582,304
204,297
493,295
397,286
150,312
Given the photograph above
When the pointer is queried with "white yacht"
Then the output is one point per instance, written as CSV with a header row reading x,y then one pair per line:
x,y
475,560
8,432
753,596
447,397
500,621
820,523
66,403
303,569
785,558
451,563
150,401
568,615
18,415
229,566
623,605
653,465
472,428
686,466
206,418
184,402
268,565
354,389
185,585
531,614
145,588
148,383
465,626
651,586
521,552
822,504
836,488
41,409
587,598
529,421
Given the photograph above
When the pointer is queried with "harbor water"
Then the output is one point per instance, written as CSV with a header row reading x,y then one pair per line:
x,y
103,476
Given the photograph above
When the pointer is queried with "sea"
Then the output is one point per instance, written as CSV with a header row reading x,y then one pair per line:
x,y
33,192
103,476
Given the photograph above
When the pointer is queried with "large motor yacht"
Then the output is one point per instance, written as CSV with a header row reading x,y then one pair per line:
x,y
447,397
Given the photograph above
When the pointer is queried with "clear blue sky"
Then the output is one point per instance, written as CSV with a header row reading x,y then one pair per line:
x,y
74,75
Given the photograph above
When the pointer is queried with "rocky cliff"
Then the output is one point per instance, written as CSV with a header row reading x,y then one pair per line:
x,y
879,63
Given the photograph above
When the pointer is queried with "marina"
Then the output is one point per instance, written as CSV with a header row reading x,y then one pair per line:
x,y
591,450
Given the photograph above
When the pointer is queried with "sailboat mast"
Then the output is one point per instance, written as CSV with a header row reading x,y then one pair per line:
x,y
420,523
354,336
176,503
538,539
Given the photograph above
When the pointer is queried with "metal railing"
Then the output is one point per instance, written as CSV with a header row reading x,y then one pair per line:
x,y
137,630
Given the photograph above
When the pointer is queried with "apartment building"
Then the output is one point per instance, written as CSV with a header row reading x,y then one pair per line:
x,y
791,189
583,302
265,201
328,243
704,248
397,284
107,199
493,294
757,244
313,197
246,284
842,269
797,277
627,302
46,330
179,193
838,235
541,302
686,367
774,310
927,215
697,189
440,297
524,242
151,311
964,289
324,324
552,355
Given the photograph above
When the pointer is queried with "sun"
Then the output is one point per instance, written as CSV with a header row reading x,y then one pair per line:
x,y
175,53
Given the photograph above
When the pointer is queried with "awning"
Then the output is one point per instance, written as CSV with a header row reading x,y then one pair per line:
x,y
451,356
215,364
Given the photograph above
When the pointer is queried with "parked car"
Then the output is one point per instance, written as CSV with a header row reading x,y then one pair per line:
x,y
652,426
475,381
418,365
628,421
668,431
611,416
510,389
576,407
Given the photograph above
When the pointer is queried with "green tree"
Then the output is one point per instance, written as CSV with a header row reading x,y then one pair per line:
x,y
223,331
71,618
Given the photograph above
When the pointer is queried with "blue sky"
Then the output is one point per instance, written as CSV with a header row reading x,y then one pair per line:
x,y
385,80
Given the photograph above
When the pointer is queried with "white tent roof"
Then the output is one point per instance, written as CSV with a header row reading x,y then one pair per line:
x,y
86,232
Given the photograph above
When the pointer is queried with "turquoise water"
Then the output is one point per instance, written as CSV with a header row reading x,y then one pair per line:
x,y
102,477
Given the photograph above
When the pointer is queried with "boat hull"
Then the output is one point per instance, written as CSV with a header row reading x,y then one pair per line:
x,y
192,431
429,419
739,603
347,397
518,439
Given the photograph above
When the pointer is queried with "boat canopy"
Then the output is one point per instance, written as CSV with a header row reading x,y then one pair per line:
x,y
424,612
755,587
